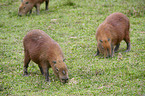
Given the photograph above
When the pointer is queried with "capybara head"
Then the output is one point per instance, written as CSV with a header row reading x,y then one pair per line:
x,y
104,47
24,8
60,70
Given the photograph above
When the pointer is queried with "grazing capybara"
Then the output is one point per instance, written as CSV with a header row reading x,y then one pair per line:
x,y
27,6
44,51
111,32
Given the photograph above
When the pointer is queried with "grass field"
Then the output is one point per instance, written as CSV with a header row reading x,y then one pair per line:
x,y
73,23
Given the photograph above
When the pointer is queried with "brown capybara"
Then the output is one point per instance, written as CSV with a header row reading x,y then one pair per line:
x,y
111,32
44,51
27,6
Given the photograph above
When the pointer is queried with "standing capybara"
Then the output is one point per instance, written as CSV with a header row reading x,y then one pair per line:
x,y
27,6
44,51
111,32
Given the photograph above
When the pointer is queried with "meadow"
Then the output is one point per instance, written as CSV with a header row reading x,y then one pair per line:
x,y
73,24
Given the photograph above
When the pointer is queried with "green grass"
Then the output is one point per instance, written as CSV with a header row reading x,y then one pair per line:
x,y
73,23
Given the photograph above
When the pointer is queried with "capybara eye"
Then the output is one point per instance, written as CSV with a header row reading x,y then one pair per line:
x,y
26,2
108,39
54,62
24,7
101,41
63,60
57,69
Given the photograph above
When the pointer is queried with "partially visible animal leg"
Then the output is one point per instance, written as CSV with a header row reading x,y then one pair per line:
x,y
47,4
127,40
97,52
26,62
128,47
117,47
41,69
30,12
37,9
46,72
112,50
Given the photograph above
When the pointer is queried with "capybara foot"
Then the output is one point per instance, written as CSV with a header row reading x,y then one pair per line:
x,y
116,48
128,47
25,74
126,50
96,54
47,80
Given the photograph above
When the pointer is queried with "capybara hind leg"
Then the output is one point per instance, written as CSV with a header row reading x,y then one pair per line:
x,y
117,47
46,72
128,47
26,62
97,53
47,4
127,40
41,69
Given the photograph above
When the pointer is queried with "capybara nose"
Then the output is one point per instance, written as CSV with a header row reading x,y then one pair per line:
x,y
19,15
64,80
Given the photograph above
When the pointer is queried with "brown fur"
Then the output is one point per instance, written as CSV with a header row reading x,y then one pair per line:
x,y
44,51
111,32
27,6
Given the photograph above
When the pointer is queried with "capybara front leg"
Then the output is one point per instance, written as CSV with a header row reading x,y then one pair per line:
x,y
97,52
117,47
38,9
47,4
41,69
30,12
46,72
26,62
112,50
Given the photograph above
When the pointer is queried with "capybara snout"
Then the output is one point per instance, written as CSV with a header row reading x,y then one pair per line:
x,y
45,52
106,47
64,80
111,32
61,71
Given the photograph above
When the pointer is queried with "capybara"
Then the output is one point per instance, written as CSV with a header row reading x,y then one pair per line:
x,y
44,51
27,6
111,32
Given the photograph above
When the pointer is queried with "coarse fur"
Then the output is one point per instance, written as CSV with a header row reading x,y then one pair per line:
x,y
111,32
27,6
44,51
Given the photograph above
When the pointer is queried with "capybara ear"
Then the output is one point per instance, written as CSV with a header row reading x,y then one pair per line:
x,y
63,60
101,41
26,2
54,62
108,39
